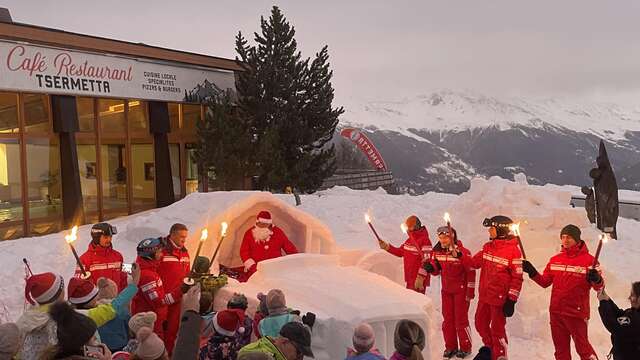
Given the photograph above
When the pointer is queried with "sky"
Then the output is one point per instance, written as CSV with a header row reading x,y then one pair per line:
x,y
384,50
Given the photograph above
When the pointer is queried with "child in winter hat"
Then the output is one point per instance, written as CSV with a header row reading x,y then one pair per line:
x,y
221,345
278,314
151,347
409,341
137,322
363,340
115,333
9,340
44,288
82,293
74,330
239,301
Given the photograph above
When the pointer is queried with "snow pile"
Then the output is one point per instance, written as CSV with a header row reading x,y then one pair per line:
x,y
354,280
463,110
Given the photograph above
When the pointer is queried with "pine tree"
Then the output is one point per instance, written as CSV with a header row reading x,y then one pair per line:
x,y
224,142
287,103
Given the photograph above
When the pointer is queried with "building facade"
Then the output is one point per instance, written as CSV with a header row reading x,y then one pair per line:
x,y
94,128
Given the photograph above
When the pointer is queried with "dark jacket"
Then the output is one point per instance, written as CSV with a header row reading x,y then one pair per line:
x,y
188,342
624,326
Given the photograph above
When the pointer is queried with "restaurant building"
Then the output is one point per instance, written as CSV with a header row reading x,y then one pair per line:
x,y
94,128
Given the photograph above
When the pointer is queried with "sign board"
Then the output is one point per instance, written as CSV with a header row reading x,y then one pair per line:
x,y
366,146
61,71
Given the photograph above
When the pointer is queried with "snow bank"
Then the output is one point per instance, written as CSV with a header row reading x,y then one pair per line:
x,y
341,297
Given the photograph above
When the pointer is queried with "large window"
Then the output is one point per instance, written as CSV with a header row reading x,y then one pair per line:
x,y
86,115
8,113
192,169
190,117
143,177
36,113
10,190
111,116
44,185
137,117
114,180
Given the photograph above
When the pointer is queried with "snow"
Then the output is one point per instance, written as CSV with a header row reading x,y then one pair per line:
x,y
344,277
463,110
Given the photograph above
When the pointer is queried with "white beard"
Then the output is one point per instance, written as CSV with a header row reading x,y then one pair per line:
x,y
261,234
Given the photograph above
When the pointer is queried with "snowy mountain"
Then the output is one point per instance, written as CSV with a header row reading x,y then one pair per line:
x,y
439,141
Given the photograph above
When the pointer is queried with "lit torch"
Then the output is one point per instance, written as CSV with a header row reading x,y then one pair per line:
x,y
223,233
70,239
367,218
604,238
447,220
515,229
203,237
404,228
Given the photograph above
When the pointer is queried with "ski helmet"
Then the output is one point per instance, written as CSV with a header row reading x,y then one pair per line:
x,y
413,223
238,301
501,223
148,247
100,229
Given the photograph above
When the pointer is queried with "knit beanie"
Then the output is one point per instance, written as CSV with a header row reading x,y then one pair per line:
x,y
363,338
276,302
408,335
9,340
142,319
107,289
74,329
572,231
150,346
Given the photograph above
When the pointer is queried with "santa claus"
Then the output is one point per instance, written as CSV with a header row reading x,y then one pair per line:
x,y
262,242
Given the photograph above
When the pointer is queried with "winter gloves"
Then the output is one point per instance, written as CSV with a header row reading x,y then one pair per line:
x,y
594,277
508,308
428,267
529,269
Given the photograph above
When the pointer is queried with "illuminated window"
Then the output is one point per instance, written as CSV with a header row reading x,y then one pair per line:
x,y
85,114
114,180
8,113
138,116
190,117
143,177
44,185
111,116
10,190
36,113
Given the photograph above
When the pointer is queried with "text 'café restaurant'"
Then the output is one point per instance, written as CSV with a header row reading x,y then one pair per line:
x,y
94,128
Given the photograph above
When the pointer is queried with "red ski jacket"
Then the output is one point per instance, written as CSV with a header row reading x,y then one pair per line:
x,y
414,251
500,264
174,266
456,277
253,251
103,262
567,272
150,295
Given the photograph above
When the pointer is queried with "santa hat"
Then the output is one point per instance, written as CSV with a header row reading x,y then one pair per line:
x,y
81,291
43,288
264,217
227,322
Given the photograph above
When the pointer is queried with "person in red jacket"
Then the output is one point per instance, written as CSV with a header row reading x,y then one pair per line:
x,y
458,288
413,252
500,264
151,294
100,259
571,275
262,242
174,267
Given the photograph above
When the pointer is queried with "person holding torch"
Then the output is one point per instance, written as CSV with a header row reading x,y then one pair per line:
x,y
571,274
413,252
458,288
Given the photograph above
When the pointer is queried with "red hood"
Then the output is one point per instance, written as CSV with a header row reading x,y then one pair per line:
x,y
417,234
577,249
147,264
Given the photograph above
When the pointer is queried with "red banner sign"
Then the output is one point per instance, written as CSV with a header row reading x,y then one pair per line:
x,y
366,146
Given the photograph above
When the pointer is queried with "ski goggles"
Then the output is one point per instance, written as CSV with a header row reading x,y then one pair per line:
x,y
103,229
443,230
488,223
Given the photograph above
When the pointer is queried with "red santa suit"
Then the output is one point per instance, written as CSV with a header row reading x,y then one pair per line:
x,y
500,264
569,308
173,268
414,251
458,288
263,243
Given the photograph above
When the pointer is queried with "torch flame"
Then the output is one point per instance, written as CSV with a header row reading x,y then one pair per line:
x,y
404,228
367,218
515,228
223,231
73,235
447,218
204,235
605,238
